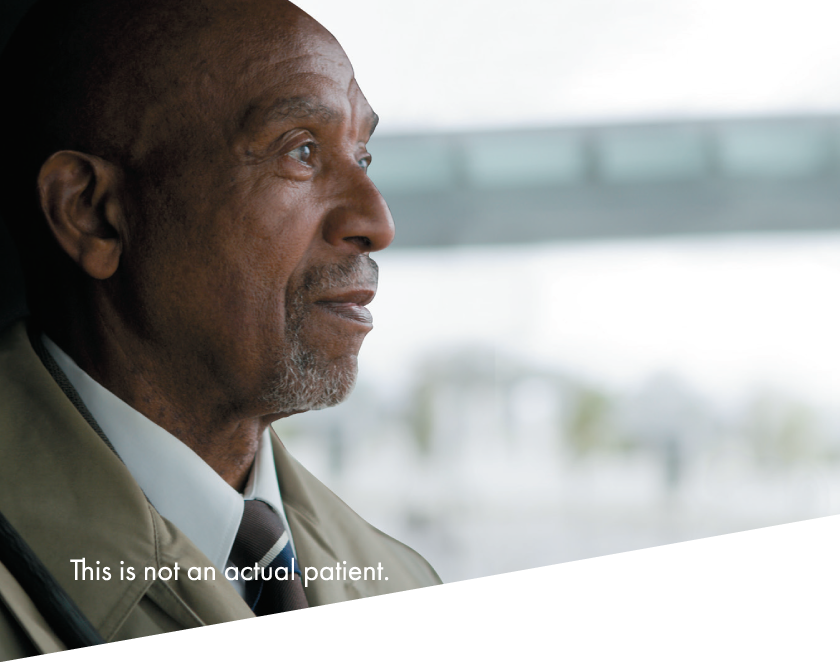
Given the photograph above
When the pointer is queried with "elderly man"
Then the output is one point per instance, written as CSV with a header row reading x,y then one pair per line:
x,y
190,201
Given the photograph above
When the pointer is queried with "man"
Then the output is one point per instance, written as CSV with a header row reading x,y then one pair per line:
x,y
190,200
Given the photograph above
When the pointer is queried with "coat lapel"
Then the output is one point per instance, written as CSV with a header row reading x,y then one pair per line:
x,y
329,534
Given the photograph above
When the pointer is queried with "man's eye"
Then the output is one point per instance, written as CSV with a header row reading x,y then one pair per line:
x,y
302,153
365,162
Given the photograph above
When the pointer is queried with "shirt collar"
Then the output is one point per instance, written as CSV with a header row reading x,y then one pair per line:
x,y
177,482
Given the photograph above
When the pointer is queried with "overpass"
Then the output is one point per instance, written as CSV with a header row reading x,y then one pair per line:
x,y
744,175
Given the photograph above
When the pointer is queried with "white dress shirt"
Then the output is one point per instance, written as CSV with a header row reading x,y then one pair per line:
x,y
178,483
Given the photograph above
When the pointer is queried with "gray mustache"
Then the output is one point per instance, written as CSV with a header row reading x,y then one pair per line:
x,y
359,272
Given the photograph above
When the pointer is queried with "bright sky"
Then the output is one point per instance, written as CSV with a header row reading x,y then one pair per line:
x,y
482,63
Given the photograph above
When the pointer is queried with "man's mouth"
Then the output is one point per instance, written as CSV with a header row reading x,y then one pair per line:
x,y
350,305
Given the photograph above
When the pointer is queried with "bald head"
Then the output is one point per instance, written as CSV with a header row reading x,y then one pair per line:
x,y
97,70
134,82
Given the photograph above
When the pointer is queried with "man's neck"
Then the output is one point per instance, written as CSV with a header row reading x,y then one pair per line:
x,y
228,444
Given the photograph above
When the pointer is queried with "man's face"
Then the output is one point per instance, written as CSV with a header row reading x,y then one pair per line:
x,y
247,261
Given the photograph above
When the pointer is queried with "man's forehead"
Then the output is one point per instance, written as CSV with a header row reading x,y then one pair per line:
x,y
260,42
302,73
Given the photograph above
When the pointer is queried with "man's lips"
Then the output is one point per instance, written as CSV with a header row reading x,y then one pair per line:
x,y
350,305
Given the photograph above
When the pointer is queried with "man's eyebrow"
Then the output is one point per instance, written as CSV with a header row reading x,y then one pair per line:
x,y
307,107
298,108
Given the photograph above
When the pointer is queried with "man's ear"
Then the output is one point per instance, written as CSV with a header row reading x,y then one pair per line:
x,y
80,196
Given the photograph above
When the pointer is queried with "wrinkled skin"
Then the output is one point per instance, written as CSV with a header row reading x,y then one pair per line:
x,y
227,249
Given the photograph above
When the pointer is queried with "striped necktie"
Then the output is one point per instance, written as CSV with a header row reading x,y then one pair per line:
x,y
262,545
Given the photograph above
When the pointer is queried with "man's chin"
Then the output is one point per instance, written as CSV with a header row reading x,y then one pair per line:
x,y
334,389
311,385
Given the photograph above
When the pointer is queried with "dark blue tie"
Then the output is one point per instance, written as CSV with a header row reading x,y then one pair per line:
x,y
262,541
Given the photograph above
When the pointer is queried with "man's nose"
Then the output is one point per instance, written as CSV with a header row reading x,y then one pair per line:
x,y
361,219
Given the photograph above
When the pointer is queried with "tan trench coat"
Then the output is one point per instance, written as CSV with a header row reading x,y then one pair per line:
x,y
70,497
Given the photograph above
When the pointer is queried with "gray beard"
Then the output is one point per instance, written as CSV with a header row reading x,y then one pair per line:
x,y
308,381
305,378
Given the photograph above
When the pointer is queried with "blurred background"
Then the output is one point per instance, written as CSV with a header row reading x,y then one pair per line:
x,y
608,321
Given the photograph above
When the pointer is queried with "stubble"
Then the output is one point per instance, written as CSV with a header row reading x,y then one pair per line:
x,y
306,378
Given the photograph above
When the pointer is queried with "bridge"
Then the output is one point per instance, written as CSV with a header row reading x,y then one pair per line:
x,y
714,176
